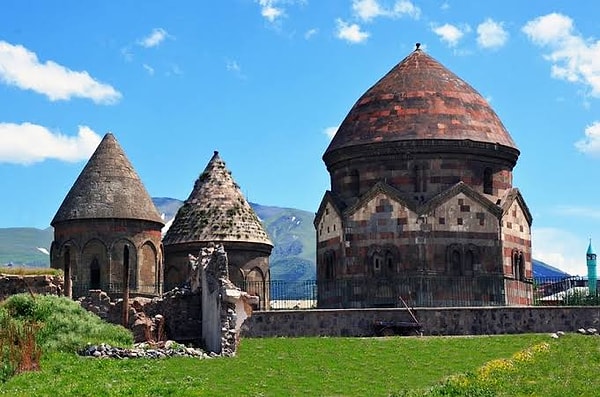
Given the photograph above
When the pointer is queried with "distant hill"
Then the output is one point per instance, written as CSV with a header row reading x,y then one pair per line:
x,y
291,231
543,270
25,246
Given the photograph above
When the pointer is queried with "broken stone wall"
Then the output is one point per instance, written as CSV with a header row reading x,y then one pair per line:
x,y
37,284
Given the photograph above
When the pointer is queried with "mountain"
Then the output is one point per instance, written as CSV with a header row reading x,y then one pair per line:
x,y
25,246
291,231
543,271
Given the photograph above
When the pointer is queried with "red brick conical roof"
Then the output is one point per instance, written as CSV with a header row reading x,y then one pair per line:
x,y
420,99
108,187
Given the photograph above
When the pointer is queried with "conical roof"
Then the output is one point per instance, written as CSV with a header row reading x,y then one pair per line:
x,y
108,187
216,211
419,99
590,249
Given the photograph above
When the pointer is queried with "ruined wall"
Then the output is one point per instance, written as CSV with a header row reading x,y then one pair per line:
x,y
435,321
42,284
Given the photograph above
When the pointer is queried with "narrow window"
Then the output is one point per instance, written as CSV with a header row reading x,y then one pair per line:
x,y
419,177
488,181
515,264
456,263
376,263
95,274
67,264
329,265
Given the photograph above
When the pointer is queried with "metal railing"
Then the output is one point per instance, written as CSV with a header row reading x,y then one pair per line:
x,y
417,291
430,291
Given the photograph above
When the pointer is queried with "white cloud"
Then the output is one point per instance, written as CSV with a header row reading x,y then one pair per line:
x,y
573,58
148,69
310,33
491,34
549,29
157,36
578,211
450,34
31,143
274,10
21,68
560,249
352,33
367,10
127,54
330,131
235,68
591,143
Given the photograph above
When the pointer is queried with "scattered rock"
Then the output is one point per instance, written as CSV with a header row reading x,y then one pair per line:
x,y
143,350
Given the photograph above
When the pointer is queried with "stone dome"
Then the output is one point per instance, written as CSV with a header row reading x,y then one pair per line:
x,y
216,211
420,99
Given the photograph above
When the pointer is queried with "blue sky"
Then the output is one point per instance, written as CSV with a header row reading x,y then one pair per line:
x,y
265,82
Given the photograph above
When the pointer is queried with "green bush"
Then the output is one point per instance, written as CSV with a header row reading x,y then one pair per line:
x,y
66,326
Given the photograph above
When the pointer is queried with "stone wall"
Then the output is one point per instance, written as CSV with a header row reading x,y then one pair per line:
x,y
435,321
38,284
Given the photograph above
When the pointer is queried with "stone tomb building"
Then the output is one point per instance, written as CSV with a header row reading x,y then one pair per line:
x,y
217,212
106,224
421,202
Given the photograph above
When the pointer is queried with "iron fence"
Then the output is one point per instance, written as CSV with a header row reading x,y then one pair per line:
x,y
428,291
416,291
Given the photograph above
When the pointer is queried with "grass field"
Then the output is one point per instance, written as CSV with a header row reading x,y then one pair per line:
x,y
508,365
329,367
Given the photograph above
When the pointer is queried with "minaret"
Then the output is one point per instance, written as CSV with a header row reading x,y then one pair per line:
x,y
591,265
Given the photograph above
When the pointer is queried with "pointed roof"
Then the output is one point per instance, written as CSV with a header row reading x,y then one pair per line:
x,y
216,211
590,250
420,99
107,187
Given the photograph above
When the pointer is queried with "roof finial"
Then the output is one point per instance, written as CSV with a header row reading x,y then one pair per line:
x,y
417,45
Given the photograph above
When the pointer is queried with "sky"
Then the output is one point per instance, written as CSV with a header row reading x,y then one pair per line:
x,y
267,82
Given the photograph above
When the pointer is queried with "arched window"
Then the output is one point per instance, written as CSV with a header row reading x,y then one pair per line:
x,y
95,274
455,262
488,181
67,263
521,266
330,265
516,264
389,262
469,261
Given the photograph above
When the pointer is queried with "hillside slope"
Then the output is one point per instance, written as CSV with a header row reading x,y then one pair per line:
x,y
25,246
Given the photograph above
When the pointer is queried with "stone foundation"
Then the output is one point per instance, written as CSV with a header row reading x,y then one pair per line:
x,y
434,321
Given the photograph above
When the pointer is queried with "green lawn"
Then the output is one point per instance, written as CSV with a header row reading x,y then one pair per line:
x,y
484,366
293,367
